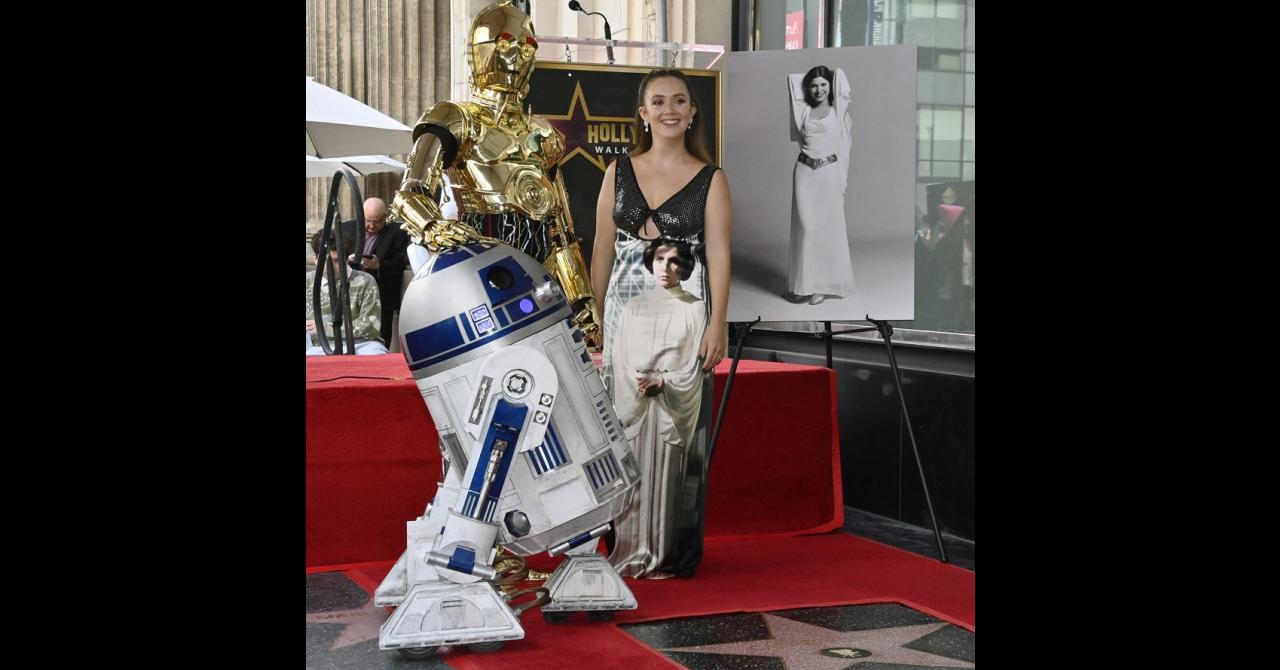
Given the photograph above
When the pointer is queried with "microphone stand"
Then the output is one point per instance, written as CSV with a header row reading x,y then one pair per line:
x,y
608,34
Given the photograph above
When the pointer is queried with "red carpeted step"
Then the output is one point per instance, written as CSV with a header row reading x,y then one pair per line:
x,y
372,459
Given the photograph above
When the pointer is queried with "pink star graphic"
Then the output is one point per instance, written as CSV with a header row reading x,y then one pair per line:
x,y
800,645
573,125
362,624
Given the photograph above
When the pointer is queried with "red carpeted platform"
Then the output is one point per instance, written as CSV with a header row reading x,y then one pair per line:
x,y
372,459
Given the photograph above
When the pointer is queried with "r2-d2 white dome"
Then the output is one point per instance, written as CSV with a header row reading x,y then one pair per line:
x,y
535,455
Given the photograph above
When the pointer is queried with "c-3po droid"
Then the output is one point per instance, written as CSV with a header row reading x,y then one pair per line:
x,y
535,457
501,161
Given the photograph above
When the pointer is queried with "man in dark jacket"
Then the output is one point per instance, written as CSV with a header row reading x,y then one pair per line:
x,y
383,257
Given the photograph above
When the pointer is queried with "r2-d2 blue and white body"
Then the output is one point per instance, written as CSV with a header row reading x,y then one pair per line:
x,y
535,457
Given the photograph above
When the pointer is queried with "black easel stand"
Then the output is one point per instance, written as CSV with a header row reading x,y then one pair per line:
x,y
886,333
744,329
340,289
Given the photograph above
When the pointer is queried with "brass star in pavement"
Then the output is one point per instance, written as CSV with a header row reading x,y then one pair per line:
x,y
362,624
800,646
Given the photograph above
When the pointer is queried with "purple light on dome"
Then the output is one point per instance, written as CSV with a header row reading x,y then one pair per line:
x,y
526,306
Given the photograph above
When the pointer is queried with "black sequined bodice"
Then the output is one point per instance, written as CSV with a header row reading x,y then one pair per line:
x,y
680,217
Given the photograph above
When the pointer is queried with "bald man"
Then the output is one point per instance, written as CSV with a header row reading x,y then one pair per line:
x,y
383,257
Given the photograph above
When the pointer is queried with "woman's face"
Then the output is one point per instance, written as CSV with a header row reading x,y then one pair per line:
x,y
667,107
666,266
819,89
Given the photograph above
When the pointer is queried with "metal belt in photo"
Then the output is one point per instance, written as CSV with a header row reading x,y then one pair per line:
x,y
816,163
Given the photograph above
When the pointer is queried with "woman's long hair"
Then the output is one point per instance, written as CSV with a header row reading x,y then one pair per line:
x,y
694,142
826,73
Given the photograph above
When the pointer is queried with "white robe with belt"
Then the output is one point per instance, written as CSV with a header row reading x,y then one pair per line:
x,y
657,335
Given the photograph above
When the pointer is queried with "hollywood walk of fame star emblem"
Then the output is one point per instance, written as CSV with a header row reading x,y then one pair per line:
x,y
803,646
362,624
575,125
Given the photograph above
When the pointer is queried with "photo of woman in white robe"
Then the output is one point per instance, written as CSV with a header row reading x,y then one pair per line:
x,y
658,382
820,264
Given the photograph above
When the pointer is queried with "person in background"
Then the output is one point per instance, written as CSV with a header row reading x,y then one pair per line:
x,y
384,258
366,312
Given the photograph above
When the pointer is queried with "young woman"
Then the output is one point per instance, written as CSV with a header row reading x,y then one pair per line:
x,y
667,187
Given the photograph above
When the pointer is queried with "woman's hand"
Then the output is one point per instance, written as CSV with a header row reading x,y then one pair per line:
x,y
712,349
650,385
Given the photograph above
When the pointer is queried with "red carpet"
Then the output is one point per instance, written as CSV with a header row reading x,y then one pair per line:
x,y
736,575
372,459
372,463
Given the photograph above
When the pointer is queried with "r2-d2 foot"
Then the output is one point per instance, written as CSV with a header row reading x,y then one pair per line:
x,y
586,582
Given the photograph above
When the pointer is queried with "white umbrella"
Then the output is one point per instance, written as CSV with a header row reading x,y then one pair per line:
x,y
339,125
361,165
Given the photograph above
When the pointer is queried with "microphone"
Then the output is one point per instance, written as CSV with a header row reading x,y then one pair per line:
x,y
608,34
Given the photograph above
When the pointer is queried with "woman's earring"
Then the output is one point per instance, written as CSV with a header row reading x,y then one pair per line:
x,y
646,125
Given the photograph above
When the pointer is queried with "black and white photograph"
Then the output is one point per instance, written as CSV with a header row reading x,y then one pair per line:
x,y
823,156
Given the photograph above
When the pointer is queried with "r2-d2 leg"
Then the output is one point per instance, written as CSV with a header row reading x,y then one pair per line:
x,y
586,582
447,603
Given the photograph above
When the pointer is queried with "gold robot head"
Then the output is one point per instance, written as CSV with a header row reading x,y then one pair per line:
x,y
502,49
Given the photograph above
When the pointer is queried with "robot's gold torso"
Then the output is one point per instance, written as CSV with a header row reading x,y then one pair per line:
x,y
503,163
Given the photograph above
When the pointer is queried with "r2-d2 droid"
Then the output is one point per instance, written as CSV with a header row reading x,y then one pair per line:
x,y
535,456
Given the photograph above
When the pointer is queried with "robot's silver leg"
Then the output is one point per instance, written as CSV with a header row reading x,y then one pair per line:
x,y
395,586
420,534
586,583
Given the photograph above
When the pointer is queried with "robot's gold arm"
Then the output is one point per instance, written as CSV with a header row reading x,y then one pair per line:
x,y
427,226
435,148
567,266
